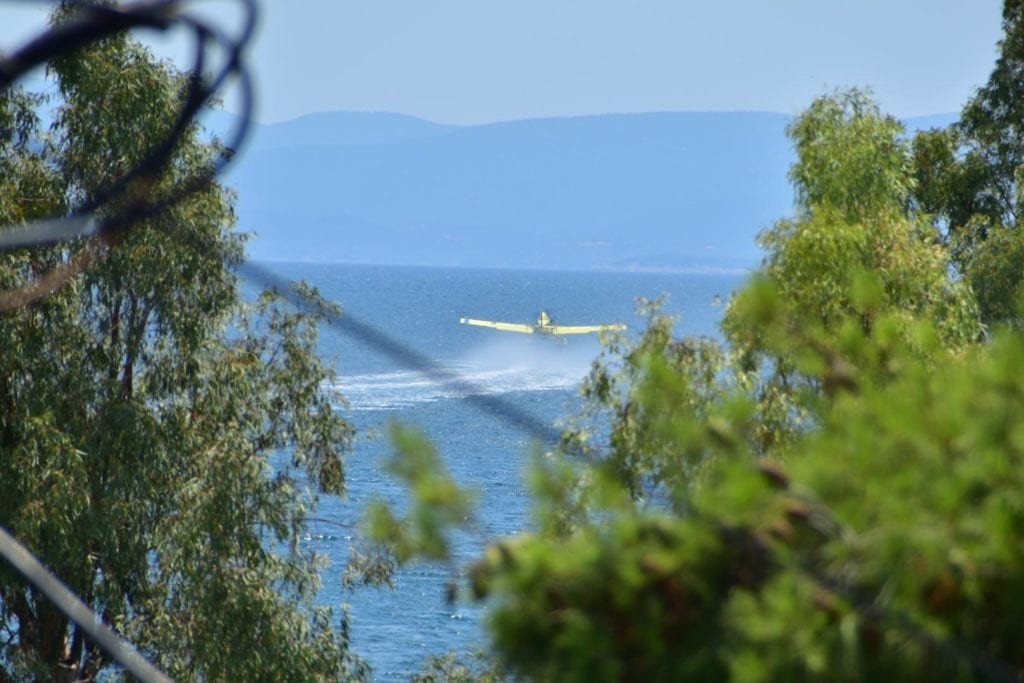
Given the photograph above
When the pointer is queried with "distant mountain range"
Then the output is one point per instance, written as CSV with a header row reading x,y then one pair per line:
x,y
662,191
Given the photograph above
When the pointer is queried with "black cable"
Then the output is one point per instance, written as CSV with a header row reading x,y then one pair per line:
x,y
77,611
408,357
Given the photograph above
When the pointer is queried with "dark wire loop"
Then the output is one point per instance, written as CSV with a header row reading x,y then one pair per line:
x,y
95,23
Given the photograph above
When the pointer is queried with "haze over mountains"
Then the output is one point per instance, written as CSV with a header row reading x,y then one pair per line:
x,y
680,191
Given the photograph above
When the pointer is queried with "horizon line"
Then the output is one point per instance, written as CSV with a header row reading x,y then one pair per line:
x,y
546,117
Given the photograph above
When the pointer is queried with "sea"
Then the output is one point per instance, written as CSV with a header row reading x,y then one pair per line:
x,y
485,444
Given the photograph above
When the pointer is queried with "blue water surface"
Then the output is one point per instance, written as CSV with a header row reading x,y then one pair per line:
x,y
419,307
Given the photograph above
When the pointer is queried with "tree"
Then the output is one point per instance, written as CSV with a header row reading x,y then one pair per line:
x,y
853,181
969,179
855,252
153,426
832,496
837,508
884,542
991,125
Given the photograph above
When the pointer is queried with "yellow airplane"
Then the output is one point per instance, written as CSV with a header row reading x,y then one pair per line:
x,y
543,326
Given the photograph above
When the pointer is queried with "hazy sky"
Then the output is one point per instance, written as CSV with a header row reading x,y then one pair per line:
x,y
470,61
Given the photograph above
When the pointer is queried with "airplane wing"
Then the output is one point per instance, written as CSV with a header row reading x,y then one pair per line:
x,y
586,329
507,327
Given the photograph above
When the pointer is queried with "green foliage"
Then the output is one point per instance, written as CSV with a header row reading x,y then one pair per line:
x,y
885,544
949,188
437,502
821,266
853,179
991,123
851,157
653,452
832,496
995,272
835,493
855,255
969,178
143,404
450,668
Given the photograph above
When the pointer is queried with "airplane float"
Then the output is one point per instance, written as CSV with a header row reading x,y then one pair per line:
x,y
544,325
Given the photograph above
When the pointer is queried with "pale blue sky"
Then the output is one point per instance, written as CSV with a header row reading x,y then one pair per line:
x,y
472,61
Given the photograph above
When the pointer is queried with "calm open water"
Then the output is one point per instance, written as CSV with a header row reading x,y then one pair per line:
x,y
396,630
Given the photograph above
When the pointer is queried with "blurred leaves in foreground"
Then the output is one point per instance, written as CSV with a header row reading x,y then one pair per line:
x,y
832,491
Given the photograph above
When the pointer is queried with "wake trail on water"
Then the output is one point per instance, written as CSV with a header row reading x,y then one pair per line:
x,y
499,366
